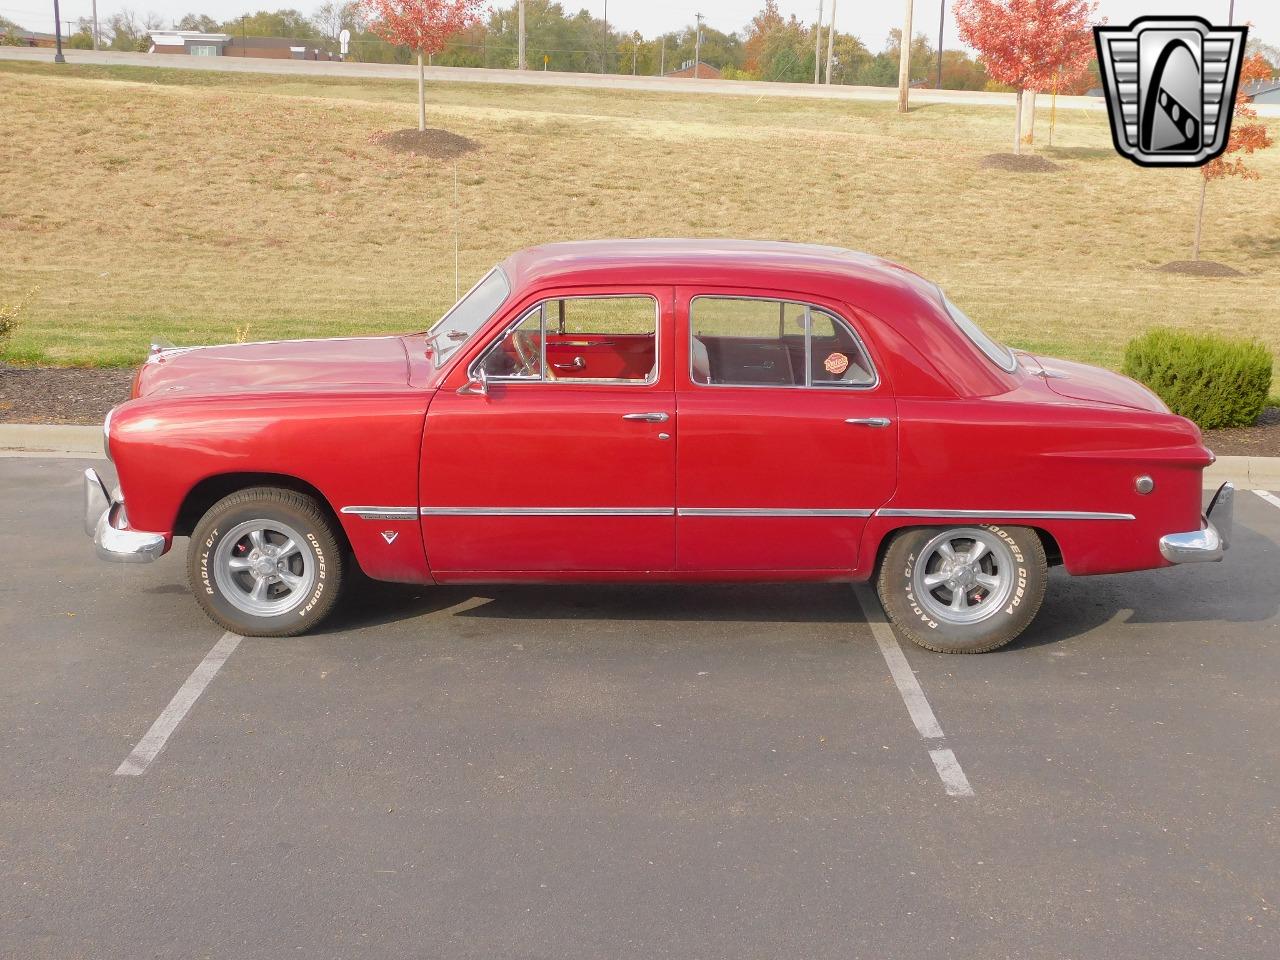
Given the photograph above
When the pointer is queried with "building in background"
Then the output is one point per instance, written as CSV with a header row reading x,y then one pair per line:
x,y
196,44
705,71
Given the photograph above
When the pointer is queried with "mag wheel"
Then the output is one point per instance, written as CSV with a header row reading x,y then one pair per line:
x,y
265,562
963,589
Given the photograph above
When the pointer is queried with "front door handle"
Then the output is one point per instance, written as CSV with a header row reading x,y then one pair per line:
x,y
647,417
869,421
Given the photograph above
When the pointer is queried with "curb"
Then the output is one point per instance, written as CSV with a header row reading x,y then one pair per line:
x,y
50,440
60,440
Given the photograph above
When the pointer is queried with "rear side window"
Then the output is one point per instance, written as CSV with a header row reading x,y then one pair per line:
x,y
750,342
996,352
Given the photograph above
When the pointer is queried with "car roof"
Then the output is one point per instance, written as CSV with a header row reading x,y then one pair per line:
x,y
747,262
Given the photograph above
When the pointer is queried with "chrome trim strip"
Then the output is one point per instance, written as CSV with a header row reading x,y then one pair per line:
x,y
1003,514
382,513
547,511
769,512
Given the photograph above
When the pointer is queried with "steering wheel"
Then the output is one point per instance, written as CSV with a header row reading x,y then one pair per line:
x,y
526,346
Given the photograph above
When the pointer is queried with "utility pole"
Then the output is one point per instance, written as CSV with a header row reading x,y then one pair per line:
x,y
523,64
942,22
817,46
57,33
904,61
604,53
95,24
662,62
697,44
1231,13
831,40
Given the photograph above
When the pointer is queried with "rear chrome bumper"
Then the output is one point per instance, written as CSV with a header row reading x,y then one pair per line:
x,y
1210,542
105,522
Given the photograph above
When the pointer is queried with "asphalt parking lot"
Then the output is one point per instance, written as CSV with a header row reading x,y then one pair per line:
x,y
609,772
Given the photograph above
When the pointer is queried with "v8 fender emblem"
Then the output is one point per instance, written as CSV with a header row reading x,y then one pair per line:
x,y
390,536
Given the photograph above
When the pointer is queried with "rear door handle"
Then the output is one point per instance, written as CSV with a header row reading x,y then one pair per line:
x,y
647,417
869,421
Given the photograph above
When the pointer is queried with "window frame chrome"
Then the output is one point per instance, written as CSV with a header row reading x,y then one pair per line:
x,y
951,309
809,307
457,347
541,305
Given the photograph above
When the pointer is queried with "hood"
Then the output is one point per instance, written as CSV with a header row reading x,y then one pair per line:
x,y
276,366
1079,381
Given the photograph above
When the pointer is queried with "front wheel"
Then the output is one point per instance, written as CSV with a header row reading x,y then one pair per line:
x,y
264,562
963,589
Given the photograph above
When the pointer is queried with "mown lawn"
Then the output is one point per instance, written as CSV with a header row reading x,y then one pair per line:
x,y
209,207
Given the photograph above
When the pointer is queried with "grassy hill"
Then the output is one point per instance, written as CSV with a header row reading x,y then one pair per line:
x,y
208,207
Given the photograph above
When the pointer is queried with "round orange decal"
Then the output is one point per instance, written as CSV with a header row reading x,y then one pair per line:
x,y
836,364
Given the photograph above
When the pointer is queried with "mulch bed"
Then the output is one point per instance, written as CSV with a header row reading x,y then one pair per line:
x,y
1260,440
1200,268
60,394
431,143
1019,163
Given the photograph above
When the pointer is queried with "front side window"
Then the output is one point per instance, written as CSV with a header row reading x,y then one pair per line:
x,y
468,315
996,351
751,342
593,339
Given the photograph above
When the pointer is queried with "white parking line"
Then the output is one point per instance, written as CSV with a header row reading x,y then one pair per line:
x,y
949,770
1271,498
153,742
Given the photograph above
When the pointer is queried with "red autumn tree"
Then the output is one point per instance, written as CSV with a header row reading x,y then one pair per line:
x,y
1025,44
424,26
1247,135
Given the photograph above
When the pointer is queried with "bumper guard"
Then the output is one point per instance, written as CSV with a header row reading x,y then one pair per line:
x,y
1210,542
106,523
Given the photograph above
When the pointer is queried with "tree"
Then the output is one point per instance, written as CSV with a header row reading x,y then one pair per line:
x,y
334,16
130,32
423,26
199,22
273,23
1247,135
1026,43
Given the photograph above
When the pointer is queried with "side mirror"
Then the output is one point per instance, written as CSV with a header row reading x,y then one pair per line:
x,y
479,384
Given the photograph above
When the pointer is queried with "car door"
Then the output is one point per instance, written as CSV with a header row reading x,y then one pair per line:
x,y
788,439
564,461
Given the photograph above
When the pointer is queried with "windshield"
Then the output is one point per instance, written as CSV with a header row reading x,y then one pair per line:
x,y
469,314
997,352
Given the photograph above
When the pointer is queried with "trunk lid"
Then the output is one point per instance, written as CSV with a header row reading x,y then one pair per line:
x,y
1079,381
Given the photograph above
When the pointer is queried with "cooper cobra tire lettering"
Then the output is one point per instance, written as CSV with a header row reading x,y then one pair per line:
x,y
895,578
299,511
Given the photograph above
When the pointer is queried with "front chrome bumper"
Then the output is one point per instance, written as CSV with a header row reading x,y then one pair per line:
x,y
106,523
1210,542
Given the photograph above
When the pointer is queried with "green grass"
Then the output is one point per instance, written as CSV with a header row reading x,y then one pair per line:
x,y
205,206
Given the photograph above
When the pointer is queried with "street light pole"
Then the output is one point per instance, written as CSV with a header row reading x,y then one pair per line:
x,y
942,23
904,61
57,34
697,43
604,53
817,46
523,64
831,40
95,24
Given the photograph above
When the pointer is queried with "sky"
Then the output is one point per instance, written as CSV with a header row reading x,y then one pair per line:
x,y
871,20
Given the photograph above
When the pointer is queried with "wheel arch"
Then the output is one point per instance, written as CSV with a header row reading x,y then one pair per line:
x,y
1052,552
210,490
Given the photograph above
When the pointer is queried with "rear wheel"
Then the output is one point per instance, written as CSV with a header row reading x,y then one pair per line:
x,y
963,589
265,562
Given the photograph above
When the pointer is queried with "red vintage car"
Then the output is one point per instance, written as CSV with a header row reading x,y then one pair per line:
x,y
657,411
